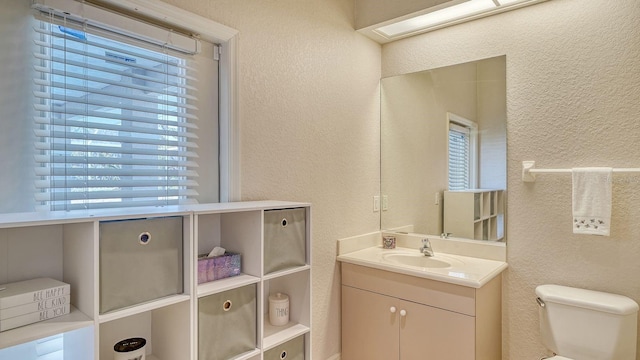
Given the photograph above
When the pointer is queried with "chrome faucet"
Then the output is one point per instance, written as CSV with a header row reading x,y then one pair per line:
x,y
445,235
426,249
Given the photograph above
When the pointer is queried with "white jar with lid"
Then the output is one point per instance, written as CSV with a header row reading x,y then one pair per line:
x,y
278,309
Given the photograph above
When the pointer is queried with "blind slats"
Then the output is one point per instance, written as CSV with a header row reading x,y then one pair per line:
x,y
74,113
50,348
69,136
111,194
70,159
108,151
44,184
459,160
115,123
112,203
73,68
107,91
114,173
133,128
106,81
81,42
81,102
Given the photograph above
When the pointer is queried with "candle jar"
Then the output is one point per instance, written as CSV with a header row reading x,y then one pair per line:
x,y
279,309
130,349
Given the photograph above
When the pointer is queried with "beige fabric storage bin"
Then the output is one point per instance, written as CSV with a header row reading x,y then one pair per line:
x,y
140,261
284,239
227,324
291,350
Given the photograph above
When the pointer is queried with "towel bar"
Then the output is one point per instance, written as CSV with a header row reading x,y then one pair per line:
x,y
529,171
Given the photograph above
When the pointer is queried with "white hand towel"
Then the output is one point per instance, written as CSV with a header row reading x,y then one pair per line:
x,y
591,200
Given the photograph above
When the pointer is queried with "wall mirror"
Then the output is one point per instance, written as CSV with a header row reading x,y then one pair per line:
x,y
445,129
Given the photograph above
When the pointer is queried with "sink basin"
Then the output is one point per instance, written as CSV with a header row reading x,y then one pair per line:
x,y
450,268
419,260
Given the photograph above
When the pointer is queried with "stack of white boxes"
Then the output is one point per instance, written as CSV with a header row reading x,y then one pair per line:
x,y
27,302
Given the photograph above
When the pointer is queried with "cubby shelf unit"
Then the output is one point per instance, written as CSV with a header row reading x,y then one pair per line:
x,y
474,214
66,246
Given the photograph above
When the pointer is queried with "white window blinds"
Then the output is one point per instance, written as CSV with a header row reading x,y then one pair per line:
x,y
50,348
459,157
115,120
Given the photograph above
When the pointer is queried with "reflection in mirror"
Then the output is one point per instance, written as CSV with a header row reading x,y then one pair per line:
x,y
443,130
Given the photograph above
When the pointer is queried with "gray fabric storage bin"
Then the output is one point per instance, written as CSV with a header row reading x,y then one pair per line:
x,y
291,350
133,270
227,324
284,239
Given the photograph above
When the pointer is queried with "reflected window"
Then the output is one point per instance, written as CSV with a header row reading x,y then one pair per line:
x,y
463,155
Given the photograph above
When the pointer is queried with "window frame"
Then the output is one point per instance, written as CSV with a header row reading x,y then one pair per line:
x,y
227,39
473,146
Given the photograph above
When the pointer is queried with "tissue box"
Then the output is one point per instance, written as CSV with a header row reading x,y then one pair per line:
x,y
218,267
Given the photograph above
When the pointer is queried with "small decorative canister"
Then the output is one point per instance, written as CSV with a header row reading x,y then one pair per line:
x,y
388,242
130,349
278,309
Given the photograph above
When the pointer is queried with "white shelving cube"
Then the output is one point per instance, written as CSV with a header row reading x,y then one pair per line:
x,y
166,329
474,214
65,246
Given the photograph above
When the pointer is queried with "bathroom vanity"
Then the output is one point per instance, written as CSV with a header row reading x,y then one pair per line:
x,y
399,304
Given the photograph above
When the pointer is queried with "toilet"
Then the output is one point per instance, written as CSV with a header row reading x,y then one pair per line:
x,y
579,324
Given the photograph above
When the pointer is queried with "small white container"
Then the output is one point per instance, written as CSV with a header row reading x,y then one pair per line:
x,y
279,309
130,349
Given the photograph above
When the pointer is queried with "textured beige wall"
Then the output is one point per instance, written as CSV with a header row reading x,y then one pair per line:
x,y
573,99
309,113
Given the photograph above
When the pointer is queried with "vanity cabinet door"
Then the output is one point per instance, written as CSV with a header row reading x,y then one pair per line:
x,y
369,325
429,333
382,327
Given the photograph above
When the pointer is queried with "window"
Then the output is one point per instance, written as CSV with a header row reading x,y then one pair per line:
x,y
50,348
117,115
462,153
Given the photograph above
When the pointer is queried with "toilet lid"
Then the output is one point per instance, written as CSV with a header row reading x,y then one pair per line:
x,y
558,357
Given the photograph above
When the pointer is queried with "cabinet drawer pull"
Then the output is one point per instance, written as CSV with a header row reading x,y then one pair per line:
x,y
392,309
403,312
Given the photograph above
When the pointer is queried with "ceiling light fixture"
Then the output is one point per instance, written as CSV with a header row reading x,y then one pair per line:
x,y
458,12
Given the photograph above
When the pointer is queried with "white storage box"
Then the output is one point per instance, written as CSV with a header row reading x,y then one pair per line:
x,y
284,239
227,323
140,261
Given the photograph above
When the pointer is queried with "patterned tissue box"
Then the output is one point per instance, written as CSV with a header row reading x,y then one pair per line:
x,y
218,267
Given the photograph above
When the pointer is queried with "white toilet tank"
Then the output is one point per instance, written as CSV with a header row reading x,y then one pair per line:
x,y
587,325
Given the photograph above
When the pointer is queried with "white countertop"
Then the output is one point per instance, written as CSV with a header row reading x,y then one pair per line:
x,y
464,270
